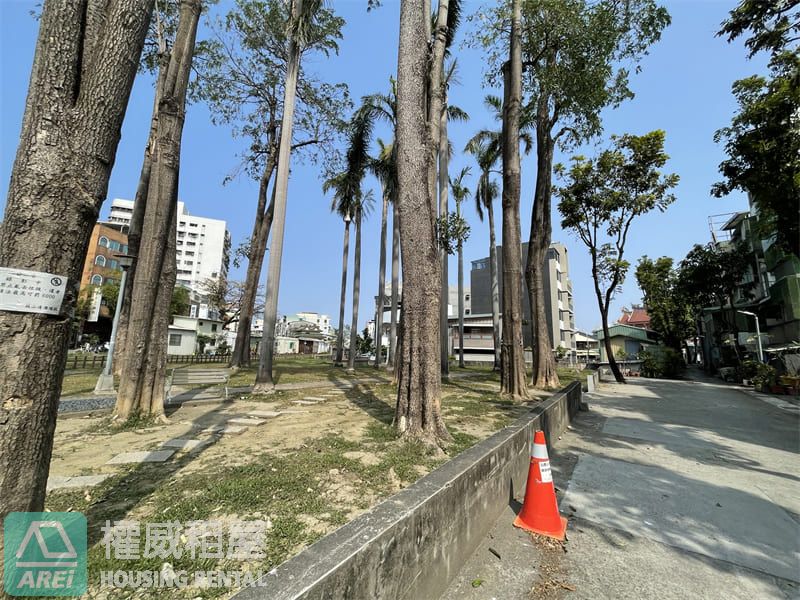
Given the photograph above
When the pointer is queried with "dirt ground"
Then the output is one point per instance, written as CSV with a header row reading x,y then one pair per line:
x,y
308,470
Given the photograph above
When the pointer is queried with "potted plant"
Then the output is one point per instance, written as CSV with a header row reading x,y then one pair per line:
x,y
765,379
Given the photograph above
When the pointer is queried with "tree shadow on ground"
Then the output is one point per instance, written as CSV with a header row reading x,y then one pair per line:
x,y
120,494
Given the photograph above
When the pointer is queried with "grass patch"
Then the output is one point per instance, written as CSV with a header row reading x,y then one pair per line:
x,y
79,382
380,432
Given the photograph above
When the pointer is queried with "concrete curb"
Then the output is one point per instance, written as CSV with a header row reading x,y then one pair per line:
x,y
411,545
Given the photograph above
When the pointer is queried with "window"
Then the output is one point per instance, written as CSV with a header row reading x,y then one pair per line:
x,y
466,297
124,248
175,339
97,280
103,241
114,245
113,264
100,260
111,281
214,327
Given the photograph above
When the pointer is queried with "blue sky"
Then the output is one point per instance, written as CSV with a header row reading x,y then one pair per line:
x,y
684,88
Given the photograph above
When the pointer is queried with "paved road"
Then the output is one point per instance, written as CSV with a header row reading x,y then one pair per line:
x,y
673,490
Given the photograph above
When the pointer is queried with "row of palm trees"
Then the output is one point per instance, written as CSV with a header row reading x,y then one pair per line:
x,y
352,203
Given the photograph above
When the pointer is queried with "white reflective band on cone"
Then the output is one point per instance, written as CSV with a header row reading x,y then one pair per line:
x,y
539,451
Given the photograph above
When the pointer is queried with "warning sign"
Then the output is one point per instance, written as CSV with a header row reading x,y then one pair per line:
x,y
544,471
31,291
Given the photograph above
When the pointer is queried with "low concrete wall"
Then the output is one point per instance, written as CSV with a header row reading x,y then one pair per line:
x,y
412,544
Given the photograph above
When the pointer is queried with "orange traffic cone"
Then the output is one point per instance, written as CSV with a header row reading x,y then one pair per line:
x,y
539,512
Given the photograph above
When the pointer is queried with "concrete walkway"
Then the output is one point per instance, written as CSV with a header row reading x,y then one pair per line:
x,y
684,489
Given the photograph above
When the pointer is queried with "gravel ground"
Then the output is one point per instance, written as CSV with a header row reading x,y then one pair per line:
x,y
68,405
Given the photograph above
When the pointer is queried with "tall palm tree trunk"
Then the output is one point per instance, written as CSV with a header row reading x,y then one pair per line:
x,y
264,381
395,285
351,360
460,296
512,378
444,257
381,283
345,259
495,289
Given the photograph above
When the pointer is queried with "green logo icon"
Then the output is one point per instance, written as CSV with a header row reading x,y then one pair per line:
x,y
44,554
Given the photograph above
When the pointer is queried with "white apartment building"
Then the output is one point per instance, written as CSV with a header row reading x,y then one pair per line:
x,y
203,245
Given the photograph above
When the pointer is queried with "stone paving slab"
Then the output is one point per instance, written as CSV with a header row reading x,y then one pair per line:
x,y
226,430
266,414
303,402
184,444
247,422
295,412
314,399
58,482
141,457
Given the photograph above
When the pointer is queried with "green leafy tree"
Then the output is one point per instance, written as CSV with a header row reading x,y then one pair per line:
x,y
773,26
242,78
179,305
669,309
577,56
366,344
763,148
599,201
712,276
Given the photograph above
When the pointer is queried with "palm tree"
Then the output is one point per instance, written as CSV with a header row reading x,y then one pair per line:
x,y
449,113
460,193
342,206
486,147
485,194
384,106
383,168
362,207
303,13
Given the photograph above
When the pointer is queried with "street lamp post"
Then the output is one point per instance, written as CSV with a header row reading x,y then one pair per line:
x,y
105,383
758,333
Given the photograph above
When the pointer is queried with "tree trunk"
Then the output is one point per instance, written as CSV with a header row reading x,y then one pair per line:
x,y
255,261
512,358
418,411
351,361
444,257
460,297
345,258
612,361
495,289
381,283
264,382
141,389
544,374
395,284
137,218
83,70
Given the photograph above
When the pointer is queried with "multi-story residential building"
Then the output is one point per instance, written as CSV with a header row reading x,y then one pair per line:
x,y
770,290
387,313
587,347
190,335
101,265
452,300
557,295
203,245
